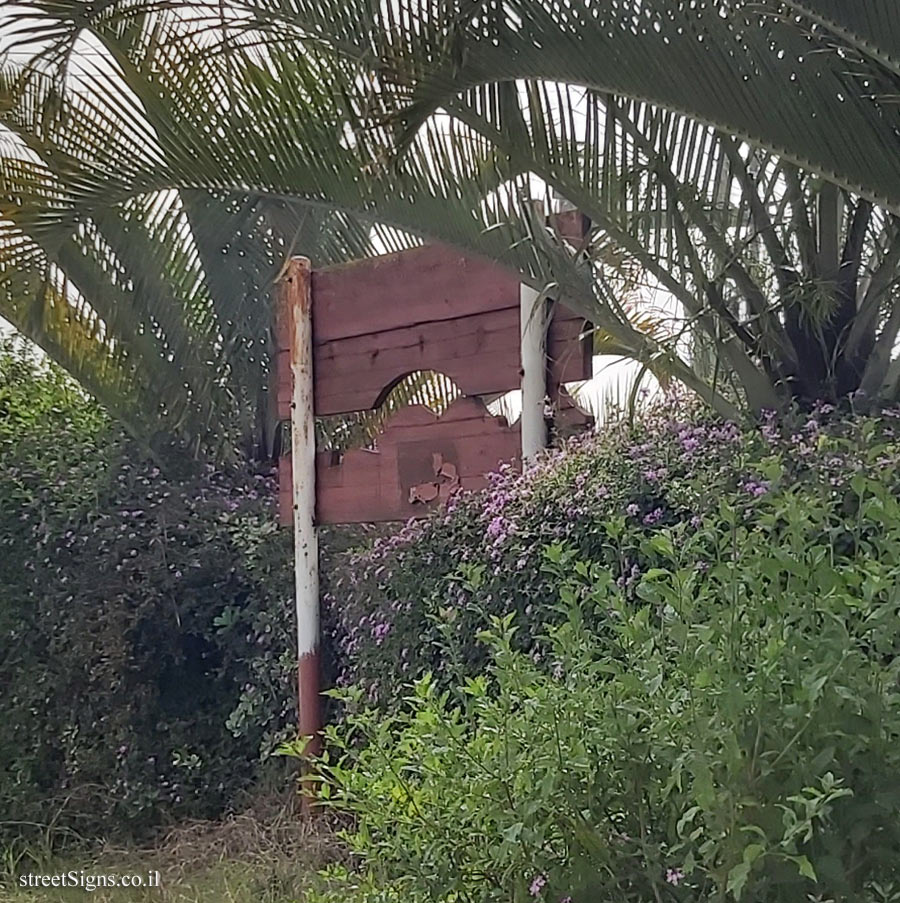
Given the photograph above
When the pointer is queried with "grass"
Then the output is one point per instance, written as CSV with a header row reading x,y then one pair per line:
x,y
271,856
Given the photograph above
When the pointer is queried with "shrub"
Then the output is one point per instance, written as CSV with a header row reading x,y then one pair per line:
x,y
414,602
146,619
688,687
725,727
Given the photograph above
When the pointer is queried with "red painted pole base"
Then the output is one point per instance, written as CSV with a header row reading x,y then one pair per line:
x,y
310,711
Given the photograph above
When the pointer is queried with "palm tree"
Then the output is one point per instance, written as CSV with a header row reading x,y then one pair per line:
x,y
159,302
789,280
160,162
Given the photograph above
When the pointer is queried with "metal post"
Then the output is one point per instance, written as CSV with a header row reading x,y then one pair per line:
x,y
533,322
297,286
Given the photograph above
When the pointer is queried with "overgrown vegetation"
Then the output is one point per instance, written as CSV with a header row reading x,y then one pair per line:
x,y
661,666
145,618
420,596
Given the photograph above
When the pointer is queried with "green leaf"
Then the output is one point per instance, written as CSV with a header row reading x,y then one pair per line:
x,y
737,879
663,544
805,867
752,852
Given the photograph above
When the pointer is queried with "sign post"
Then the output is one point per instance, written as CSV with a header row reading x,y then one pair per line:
x,y
376,321
297,307
532,321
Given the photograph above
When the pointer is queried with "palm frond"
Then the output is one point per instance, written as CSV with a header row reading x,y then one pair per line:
x,y
223,136
427,388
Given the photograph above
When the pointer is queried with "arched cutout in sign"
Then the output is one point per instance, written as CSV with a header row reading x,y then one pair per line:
x,y
420,459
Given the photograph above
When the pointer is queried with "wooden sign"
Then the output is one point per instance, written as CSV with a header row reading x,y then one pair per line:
x,y
430,308
345,337
374,322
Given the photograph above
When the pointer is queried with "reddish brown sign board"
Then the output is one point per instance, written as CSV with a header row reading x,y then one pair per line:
x,y
420,459
427,308
377,320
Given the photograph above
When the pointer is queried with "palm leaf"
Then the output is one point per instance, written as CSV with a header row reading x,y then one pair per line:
x,y
292,114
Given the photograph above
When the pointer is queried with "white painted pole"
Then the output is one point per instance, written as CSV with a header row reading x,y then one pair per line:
x,y
298,288
533,321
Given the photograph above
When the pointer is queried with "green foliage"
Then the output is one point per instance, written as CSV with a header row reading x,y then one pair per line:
x,y
145,617
419,597
721,733
662,665
140,242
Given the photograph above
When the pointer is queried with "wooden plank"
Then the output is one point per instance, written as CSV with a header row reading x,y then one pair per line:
x,y
420,285
420,459
570,358
478,352
365,486
427,308
448,286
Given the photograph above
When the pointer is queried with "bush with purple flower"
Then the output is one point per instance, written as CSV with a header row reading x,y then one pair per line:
x,y
604,496
682,690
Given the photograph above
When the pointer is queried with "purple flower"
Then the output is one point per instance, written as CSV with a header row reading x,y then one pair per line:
x,y
498,529
654,517
756,489
628,576
380,631
674,876
497,501
632,510
537,885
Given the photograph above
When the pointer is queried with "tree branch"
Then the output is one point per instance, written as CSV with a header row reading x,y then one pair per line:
x,y
851,257
862,333
758,388
837,333
878,365
729,258
785,273
806,238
